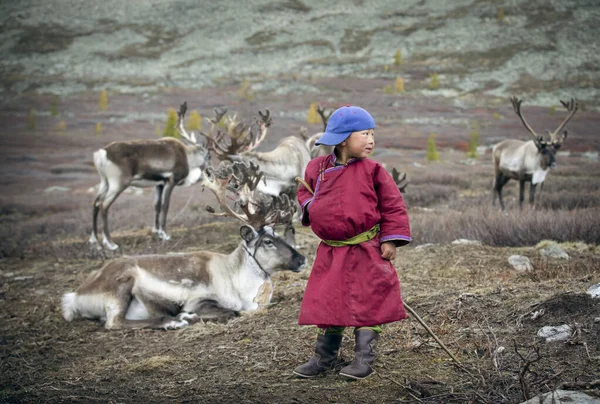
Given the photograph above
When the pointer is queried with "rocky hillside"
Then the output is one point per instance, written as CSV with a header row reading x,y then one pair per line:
x,y
537,48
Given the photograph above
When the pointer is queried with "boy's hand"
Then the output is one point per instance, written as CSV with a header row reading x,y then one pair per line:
x,y
388,250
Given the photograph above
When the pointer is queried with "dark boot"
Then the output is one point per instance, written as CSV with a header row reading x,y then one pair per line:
x,y
364,354
326,351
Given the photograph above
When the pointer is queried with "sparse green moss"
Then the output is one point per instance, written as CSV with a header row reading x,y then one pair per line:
x,y
103,102
388,89
434,81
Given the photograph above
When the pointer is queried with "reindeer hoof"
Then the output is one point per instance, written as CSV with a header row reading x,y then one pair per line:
x,y
162,235
189,317
110,245
175,324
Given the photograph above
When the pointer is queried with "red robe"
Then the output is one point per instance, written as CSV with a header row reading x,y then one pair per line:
x,y
352,285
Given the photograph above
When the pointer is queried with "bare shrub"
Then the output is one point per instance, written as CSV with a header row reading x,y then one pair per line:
x,y
567,200
490,226
441,179
428,194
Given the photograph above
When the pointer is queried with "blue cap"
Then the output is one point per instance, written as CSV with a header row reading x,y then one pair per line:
x,y
343,122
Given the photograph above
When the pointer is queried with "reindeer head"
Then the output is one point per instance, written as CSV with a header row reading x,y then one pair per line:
x,y
547,148
237,181
198,154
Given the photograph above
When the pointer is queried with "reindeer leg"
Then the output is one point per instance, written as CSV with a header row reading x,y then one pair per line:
x,y
162,234
155,311
114,190
501,180
210,310
532,193
521,193
158,192
102,188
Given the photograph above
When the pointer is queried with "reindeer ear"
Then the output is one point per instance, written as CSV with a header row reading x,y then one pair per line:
x,y
248,233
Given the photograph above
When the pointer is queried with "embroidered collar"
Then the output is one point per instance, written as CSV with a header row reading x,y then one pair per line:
x,y
334,159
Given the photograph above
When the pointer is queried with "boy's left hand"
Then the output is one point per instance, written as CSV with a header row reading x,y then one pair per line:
x,y
388,250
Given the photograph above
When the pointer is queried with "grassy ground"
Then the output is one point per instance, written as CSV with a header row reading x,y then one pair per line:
x,y
486,312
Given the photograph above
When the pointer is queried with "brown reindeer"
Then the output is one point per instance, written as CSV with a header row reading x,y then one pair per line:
x,y
162,163
528,161
171,291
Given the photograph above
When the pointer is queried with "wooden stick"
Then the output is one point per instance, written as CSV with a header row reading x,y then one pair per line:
x,y
430,331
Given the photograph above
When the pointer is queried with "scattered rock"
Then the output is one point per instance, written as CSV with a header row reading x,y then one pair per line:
x,y
591,155
594,290
22,278
464,241
555,333
554,251
57,188
520,263
563,396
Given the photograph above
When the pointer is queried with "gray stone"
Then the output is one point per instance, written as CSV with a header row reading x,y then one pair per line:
x,y
555,333
520,263
464,241
554,251
594,290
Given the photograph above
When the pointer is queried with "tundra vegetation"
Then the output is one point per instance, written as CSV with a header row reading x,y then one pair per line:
x,y
486,312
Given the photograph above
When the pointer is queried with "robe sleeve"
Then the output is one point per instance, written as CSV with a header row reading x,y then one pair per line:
x,y
394,225
305,196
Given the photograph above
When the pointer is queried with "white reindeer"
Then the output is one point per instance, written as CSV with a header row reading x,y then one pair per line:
x,y
174,290
528,161
162,163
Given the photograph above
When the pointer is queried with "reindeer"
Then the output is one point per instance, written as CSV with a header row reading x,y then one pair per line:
x,y
528,161
162,163
172,291
280,166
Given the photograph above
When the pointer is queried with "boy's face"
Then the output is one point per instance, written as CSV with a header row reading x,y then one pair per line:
x,y
360,144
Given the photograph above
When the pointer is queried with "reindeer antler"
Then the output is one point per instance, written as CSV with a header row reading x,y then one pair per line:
x,y
571,107
516,103
324,117
400,179
190,138
241,179
238,137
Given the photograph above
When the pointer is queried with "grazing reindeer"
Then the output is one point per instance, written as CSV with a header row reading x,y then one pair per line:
x,y
174,290
528,161
280,166
162,163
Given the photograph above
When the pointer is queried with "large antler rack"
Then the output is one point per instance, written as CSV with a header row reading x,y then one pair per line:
x,y
237,181
237,137
324,117
571,107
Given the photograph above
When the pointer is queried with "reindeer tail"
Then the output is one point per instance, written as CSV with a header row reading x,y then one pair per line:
x,y
68,306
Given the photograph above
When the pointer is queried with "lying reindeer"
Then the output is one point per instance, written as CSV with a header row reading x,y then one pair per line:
x,y
162,163
174,290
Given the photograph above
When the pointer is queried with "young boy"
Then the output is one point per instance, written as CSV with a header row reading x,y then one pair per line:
x,y
359,214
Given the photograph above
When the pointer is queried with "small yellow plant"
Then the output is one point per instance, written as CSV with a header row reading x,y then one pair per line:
x,y
386,68
31,122
245,90
399,85
388,89
313,116
54,106
98,128
103,102
434,82
432,153
62,126
496,115
157,130
473,141
500,14
397,58
552,109
195,121
170,129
